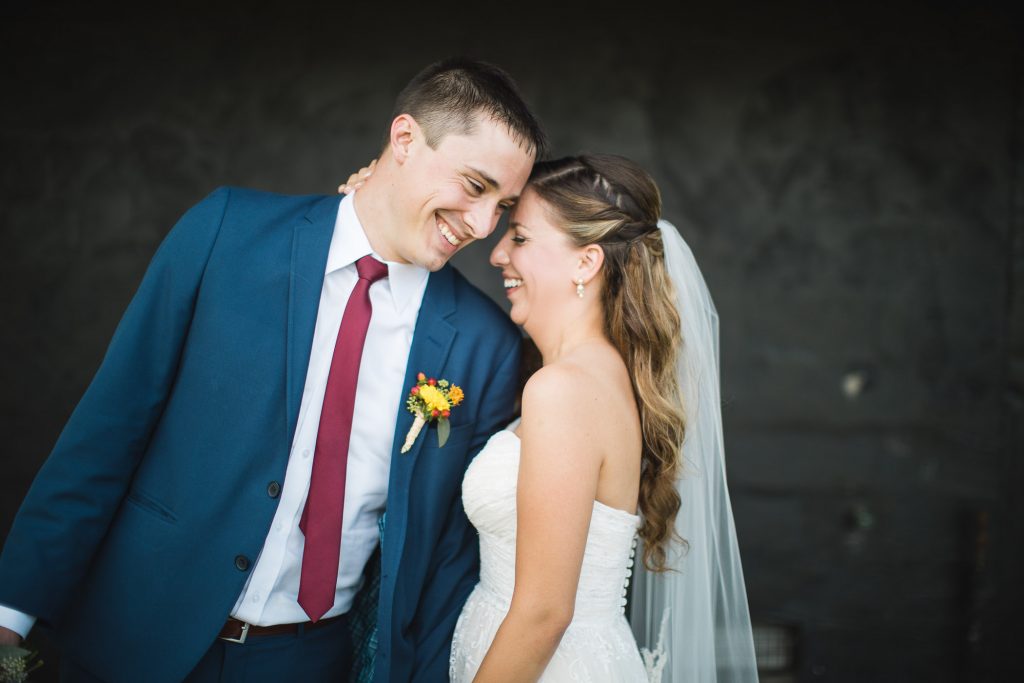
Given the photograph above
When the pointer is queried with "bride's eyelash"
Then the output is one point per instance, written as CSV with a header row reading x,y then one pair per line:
x,y
518,240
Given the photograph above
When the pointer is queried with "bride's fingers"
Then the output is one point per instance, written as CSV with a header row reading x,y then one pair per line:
x,y
353,183
356,180
364,173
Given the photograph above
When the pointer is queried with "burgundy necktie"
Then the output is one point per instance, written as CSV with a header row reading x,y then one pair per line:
x,y
321,518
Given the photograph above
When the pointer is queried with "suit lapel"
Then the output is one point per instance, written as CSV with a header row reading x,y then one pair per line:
x,y
431,345
311,242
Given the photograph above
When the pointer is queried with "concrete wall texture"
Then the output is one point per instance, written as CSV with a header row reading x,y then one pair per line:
x,y
851,181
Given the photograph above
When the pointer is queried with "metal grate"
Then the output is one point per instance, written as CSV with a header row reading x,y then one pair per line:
x,y
775,646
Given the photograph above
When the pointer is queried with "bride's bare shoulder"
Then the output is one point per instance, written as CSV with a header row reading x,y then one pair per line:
x,y
561,378
560,416
572,394
552,385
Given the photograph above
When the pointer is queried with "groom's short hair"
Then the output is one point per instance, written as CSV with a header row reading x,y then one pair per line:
x,y
448,97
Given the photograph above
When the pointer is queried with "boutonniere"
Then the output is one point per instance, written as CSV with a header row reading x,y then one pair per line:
x,y
431,399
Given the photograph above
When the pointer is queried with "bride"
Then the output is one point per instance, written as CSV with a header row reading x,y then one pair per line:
x,y
560,498
620,440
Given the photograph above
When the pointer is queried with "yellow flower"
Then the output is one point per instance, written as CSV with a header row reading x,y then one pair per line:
x,y
455,395
434,398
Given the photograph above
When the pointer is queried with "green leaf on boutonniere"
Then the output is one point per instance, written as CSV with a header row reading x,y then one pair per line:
x,y
443,428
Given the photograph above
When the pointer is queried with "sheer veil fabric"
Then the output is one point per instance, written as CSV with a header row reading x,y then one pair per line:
x,y
694,622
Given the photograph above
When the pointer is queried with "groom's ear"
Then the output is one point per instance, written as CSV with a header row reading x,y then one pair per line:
x,y
404,133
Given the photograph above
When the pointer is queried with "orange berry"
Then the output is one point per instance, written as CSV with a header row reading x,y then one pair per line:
x,y
431,381
415,390
445,413
434,413
421,377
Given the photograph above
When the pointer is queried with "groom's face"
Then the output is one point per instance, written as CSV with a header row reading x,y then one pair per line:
x,y
455,193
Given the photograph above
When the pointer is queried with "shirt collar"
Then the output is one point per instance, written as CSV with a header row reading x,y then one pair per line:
x,y
349,244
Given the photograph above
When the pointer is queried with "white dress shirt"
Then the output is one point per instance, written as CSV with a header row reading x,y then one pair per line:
x,y
271,593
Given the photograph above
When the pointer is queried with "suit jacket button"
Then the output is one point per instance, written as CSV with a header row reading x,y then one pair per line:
x,y
241,562
273,489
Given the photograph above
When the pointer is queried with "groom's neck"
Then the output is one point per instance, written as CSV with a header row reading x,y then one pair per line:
x,y
375,209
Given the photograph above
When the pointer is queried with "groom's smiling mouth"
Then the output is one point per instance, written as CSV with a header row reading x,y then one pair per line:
x,y
446,232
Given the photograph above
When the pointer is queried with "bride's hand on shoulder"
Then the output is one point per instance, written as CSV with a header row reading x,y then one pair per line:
x,y
356,180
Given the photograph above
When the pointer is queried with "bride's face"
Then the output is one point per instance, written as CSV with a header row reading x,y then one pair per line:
x,y
537,261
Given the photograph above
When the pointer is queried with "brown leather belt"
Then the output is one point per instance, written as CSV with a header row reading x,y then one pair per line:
x,y
235,631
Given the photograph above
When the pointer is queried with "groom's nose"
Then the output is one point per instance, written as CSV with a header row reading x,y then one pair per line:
x,y
482,219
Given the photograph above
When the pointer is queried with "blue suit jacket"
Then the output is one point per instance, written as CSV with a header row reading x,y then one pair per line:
x,y
139,532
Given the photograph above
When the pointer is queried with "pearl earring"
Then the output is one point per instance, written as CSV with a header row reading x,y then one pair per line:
x,y
579,287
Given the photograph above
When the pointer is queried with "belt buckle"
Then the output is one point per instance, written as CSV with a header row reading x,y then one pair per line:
x,y
240,639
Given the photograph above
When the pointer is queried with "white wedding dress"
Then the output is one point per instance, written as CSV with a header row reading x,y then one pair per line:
x,y
598,646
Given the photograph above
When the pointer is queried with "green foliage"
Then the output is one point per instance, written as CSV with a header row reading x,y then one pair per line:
x,y
443,429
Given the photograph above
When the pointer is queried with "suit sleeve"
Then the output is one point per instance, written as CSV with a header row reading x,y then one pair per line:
x,y
457,555
75,495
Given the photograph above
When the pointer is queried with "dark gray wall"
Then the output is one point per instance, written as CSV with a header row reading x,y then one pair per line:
x,y
851,181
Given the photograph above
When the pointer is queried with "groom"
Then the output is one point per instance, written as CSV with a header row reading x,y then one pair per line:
x,y
213,503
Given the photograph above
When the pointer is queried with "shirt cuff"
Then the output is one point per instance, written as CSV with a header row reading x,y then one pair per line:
x,y
19,622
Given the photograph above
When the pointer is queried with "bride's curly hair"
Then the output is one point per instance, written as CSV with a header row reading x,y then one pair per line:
x,y
610,201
